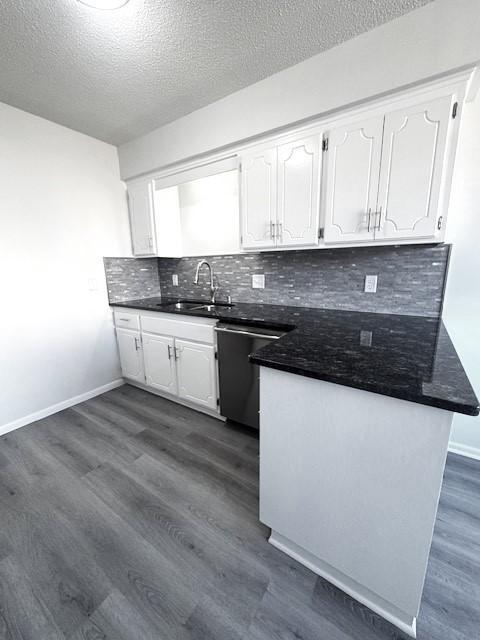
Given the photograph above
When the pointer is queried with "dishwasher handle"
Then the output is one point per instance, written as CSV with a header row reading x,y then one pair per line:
x,y
250,334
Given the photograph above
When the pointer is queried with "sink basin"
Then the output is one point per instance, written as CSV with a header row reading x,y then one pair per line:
x,y
212,306
193,305
185,306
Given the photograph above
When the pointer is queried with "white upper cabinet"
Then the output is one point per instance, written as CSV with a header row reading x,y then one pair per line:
x,y
159,358
281,195
413,160
142,223
386,178
259,198
298,192
351,181
196,373
377,174
130,351
191,213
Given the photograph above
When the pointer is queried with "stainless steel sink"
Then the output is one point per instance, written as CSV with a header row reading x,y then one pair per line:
x,y
197,305
185,306
213,306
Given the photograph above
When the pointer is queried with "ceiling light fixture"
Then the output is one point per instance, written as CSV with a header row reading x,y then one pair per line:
x,y
104,4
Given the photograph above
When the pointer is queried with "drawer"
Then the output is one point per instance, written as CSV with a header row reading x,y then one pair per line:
x,y
168,325
127,320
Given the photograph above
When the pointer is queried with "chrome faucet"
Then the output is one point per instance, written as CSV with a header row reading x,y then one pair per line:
x,y
213,288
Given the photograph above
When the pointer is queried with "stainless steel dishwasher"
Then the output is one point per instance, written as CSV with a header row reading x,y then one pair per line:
x,y
239,378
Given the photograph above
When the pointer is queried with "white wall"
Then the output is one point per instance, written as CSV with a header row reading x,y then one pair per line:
x,y
62,208
462,302
434,39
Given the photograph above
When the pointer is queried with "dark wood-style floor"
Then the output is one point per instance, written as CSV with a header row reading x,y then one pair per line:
x,y
131,518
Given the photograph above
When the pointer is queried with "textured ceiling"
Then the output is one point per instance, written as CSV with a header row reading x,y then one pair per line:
x,y
116,75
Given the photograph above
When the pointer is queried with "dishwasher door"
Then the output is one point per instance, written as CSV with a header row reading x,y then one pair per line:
x,y
238,377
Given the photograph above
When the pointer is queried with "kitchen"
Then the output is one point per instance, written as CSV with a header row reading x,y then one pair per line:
x,y
243,423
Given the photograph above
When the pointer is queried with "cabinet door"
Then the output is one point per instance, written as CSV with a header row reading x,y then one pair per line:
x,y
196,373
352,172
259,199
298,192
413,155
159,357
131,358
142,225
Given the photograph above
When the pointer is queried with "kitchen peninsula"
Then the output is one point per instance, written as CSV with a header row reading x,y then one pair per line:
x,y
355,417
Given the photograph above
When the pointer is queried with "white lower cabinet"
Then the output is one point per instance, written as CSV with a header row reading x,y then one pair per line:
x,y
159,358
170,354
131,356
196,372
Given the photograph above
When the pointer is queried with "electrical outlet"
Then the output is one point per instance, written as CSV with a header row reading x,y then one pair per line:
x,y
371,284
258,281
366,338
175,280
92,284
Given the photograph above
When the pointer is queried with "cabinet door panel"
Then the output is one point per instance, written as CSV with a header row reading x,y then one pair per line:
x,y
196,373
411,175
160,363
298,192
259,198
352,172
130,351
142,226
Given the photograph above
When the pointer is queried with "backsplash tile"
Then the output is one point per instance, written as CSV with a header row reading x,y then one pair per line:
x,y
130,278
411,278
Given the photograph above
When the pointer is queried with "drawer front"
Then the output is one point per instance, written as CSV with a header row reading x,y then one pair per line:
x,y
186,329
127,320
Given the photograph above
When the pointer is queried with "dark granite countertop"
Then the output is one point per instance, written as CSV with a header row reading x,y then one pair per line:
x,y
407,357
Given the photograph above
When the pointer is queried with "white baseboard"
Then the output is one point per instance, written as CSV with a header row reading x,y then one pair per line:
x,y
60,406
384,609
464,450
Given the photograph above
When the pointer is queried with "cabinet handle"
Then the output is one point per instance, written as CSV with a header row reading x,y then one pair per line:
x,y
272,230
379,218
176,352
124,319
279,231
369,214
169,351
137,347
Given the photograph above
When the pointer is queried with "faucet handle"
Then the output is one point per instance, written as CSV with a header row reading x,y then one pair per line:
x,y
229,299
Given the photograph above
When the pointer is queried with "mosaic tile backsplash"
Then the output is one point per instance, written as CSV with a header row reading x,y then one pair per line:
x,y
411,278
130,278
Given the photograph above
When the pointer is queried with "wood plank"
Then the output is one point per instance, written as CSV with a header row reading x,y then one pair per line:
x,y
23,614
129,517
